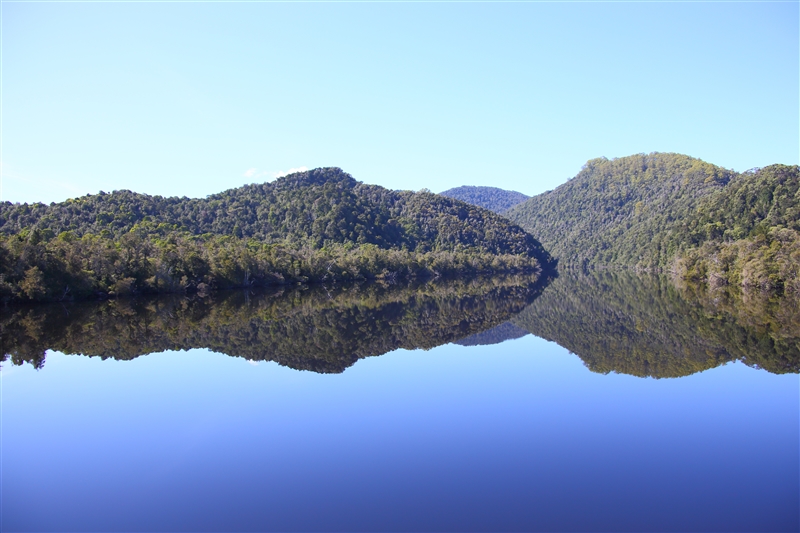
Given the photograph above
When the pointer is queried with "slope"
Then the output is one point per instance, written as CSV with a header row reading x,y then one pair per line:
x,y
621,211
491,198
310,208
320,225
747,234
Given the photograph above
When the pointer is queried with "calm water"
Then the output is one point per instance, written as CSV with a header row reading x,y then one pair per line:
x,y
375,408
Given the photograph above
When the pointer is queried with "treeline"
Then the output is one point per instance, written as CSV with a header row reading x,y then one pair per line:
x,y
313,209
314,226
491,198
69,267
318,328
673,212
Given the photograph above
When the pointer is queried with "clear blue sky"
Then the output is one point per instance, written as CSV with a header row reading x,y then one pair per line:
x,y
190,99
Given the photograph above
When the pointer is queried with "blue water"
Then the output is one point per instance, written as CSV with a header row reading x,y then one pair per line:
x,y
518,436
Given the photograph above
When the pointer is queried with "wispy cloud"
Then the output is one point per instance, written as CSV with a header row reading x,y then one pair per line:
x,y
250,172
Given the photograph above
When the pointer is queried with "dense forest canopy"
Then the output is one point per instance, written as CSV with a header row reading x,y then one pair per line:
x,y
620,211
318,225
747,234
491,198
675,212
314,208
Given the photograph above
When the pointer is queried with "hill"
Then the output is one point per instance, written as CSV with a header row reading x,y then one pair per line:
x,y
319,225
313,208
620,211
674,212
747,235
491,198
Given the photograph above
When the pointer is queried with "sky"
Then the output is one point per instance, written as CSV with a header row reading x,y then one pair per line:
x,y
190,99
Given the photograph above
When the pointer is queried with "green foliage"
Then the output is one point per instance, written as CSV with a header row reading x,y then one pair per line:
x,y
313,226
314,208
621,211
751,204
747,235
317,328
673,212
92,266
491,198
765,263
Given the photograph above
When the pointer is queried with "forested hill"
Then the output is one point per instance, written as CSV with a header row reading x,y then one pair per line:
x,y
491,198
315,226
311,208
748,234
621,211
676,212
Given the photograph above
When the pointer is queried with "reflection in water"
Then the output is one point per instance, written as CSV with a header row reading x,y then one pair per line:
x,y
614,321
646,326
317,328
504,332
518,437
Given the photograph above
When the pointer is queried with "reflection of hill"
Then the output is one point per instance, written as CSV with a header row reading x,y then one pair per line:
x,y
318,329
504,332
644,326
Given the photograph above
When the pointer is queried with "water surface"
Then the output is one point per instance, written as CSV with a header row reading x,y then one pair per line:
x,y
418,409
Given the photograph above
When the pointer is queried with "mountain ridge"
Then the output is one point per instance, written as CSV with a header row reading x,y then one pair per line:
x,y
315,207
659,211
312,226
494,199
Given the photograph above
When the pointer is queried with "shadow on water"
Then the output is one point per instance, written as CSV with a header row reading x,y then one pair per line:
x,y
642,325
648,326
317,328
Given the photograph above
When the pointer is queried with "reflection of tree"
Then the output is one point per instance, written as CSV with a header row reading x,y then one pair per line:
x,y
646,326
319,329
614,321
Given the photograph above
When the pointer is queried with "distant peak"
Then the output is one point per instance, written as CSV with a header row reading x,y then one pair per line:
x,y
491,198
